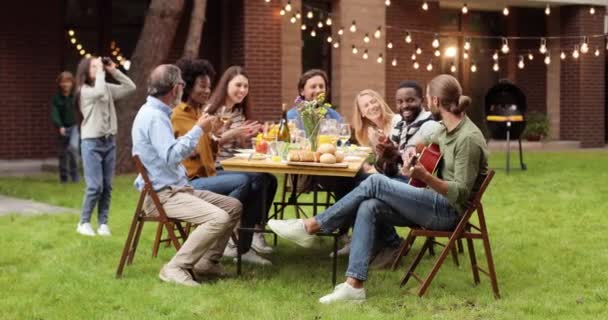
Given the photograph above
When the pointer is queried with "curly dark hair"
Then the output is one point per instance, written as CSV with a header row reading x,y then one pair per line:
x,y
192,69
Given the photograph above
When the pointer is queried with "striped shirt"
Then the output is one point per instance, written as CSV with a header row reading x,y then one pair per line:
x,y
227,149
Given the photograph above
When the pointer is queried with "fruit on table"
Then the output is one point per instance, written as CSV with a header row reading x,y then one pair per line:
x,y
261,146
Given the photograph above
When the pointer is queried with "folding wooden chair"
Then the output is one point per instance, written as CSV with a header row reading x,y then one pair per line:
x,y
128,252
462,231
158,239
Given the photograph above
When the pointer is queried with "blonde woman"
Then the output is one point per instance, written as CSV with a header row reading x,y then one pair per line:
x,y
373,118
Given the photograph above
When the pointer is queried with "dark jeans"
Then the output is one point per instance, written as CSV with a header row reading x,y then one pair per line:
x,y
249,189
382,200
68,156
98,159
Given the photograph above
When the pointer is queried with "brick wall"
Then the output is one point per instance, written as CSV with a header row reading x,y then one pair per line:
x,y
262,59
30,58
403,15
582,81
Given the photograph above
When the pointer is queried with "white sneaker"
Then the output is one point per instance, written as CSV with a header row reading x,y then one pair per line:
x,y
344,251
104,230
177,275
230,250
253,258
344,292
85,229
292,230
259,244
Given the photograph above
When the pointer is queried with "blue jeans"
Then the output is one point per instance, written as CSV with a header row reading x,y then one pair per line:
x,y
68,155
380,199
249,189
98,159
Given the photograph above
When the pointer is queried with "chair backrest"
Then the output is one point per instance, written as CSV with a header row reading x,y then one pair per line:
x,y
481,184
148,189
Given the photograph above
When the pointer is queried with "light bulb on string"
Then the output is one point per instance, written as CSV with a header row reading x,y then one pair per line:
x,y
394,62
429,67
78,46
330,39
387,2
465,9
505,46
521,64
562,55
473,67
437,52
496,67
282,12
530,56
425,6
88,55
310,15
543,46
413,56
418,50
288,6
453,68
303,27
585,45
366,38
548,9
365,54
337,44
355,50
341,31
313,33
575,53
378,33
592,10
389,45
597,52
408,37
435,43
71,33
380,58
467,44
73,40
465,55
293,19
328,21
320,25
353,27
298,15
416,65
547,59
82,52
505,11
495,56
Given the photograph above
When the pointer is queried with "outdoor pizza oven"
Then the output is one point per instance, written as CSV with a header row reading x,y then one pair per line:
x,y
505,106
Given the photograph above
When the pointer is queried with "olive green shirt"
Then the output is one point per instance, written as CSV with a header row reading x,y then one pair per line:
x,y
465,156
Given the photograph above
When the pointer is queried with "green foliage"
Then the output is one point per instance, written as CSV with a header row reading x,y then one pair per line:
x,y
548,239
537,126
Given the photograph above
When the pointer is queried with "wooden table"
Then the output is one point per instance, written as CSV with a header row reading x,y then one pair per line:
x,y
268,166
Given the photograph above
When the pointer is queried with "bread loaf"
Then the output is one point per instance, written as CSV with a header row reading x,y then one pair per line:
x,y
301,156
327,148
328,158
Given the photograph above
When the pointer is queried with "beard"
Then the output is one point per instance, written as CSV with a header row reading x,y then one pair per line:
x,y
435,113
414,112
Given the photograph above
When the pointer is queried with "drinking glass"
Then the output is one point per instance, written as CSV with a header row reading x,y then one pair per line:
x,y
344,134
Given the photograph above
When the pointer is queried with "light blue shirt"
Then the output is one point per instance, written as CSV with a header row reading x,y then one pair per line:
x,y
292,114
157,148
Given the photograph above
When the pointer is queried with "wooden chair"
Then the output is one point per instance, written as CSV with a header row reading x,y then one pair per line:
x,y
464,230
158,239
140,217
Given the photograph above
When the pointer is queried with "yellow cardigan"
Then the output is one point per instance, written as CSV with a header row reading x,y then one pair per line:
x,y
202,163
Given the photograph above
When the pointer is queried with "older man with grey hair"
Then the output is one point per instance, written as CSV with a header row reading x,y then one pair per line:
x,y
162,155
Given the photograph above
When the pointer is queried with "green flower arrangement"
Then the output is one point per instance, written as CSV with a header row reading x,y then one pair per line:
x,y
311,113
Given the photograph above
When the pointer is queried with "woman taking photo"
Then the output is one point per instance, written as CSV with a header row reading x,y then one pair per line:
x,y
95,100
62,114
201,168
230,96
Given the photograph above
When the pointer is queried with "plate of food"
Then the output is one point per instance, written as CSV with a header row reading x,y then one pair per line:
x,y
250,156
247,151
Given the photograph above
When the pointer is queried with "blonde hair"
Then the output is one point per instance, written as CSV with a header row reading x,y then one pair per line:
x,y
449,92
361,124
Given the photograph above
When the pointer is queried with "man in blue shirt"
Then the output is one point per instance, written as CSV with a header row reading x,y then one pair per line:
x,y
162,155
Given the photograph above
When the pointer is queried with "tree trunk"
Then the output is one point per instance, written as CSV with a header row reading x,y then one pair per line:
x,y
195,32
151,50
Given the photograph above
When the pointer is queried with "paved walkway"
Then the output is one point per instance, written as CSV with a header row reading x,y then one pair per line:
x,y
10,205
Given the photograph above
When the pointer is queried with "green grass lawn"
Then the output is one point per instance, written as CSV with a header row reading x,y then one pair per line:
x,y
547,228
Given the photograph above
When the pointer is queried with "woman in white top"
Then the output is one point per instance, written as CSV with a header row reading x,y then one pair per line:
x,y
95,101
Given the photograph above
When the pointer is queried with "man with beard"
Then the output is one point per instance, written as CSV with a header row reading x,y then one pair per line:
x,y
416,126
162,156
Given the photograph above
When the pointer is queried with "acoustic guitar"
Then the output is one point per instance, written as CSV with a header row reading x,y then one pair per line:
x,y
429,157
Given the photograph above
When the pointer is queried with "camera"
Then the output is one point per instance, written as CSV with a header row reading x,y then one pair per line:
x,y
106,61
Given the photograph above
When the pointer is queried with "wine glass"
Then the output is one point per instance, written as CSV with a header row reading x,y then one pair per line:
x,y
224,115
344,134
